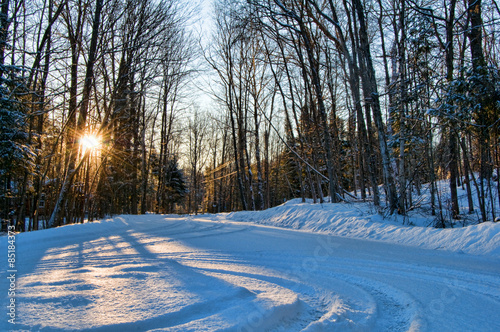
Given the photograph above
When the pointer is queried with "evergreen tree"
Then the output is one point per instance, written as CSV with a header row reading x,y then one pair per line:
x,y
175,188
16,153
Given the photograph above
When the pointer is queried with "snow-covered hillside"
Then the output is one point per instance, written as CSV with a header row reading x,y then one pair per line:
x,y
345,270
360,220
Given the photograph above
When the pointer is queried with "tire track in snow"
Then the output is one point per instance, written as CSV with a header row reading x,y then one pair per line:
x,y
395,308
240,277
323,308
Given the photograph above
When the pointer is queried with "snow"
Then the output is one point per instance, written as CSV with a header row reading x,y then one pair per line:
x,y
296,267
358,220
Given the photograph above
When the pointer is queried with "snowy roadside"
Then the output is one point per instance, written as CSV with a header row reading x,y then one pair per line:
x,y
360,221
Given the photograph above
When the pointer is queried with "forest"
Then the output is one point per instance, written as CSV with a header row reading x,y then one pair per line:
x,y
102,109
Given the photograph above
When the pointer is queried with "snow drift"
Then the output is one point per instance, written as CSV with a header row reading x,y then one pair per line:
x,y
359,220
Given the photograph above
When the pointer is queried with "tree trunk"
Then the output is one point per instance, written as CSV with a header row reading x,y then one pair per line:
x,y
375,105
452,144
483,89
313,64
4,32
83,111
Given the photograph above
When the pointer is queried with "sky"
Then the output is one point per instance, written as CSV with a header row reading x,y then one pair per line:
x,y
202,25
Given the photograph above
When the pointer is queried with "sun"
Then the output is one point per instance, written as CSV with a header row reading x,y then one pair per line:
x,y
90,142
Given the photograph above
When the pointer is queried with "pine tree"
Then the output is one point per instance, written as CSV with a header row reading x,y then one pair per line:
x,y
175,188
16,154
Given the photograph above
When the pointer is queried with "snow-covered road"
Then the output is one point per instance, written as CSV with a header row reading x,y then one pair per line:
x,y
167,273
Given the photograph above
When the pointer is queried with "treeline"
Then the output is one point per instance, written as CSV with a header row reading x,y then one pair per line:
x,y
360,94
343,99
76,72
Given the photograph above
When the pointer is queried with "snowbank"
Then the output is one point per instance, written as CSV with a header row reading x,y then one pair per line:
x,y
359,220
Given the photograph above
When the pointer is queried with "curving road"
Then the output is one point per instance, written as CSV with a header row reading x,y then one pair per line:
x,y
160,273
